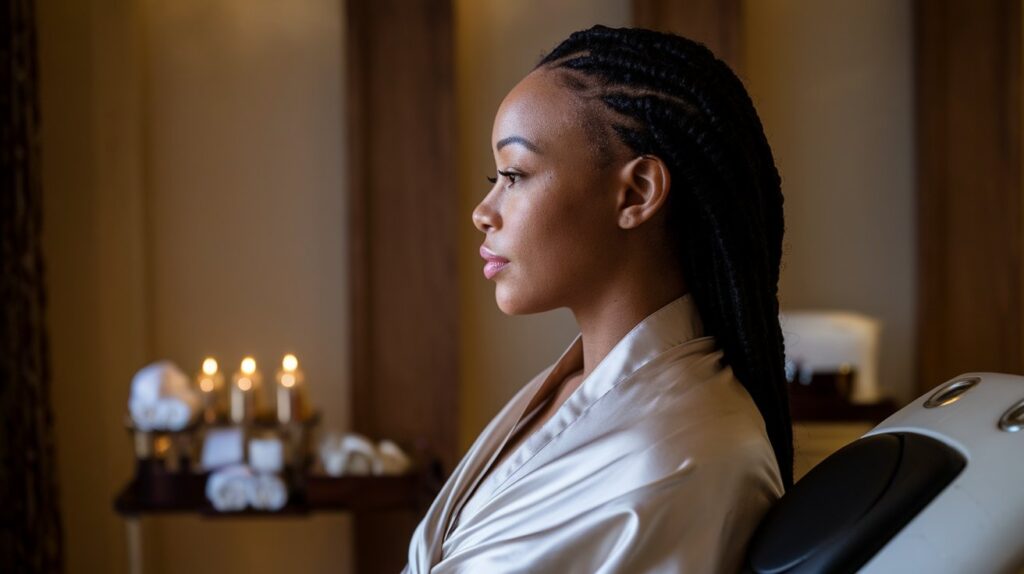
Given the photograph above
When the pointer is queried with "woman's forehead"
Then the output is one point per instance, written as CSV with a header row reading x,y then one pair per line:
x,y
540,109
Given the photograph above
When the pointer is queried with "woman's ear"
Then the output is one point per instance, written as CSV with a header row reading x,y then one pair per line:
x,y
644,187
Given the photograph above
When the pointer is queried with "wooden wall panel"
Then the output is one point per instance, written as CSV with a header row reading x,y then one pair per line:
x,y
970,300
403,235
716,23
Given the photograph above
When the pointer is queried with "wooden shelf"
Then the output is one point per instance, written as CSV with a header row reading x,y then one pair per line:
x,y
155,492
264,421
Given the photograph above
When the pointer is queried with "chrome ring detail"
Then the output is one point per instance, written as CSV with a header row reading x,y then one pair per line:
x,y
1013,419
949,393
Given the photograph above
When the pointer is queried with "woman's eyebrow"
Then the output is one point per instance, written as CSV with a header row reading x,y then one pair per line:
x,y
517,140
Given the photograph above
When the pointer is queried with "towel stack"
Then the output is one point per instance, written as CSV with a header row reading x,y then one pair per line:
x,y
354,454
233,485
162,398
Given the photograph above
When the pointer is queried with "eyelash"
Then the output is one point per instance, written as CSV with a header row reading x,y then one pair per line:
x,y
511,176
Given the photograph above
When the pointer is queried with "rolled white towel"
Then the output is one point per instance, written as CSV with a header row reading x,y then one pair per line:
x,y
333,461
390,459
159,379
144,414
228,489
359,452
267,492
350,453
174,414
161,398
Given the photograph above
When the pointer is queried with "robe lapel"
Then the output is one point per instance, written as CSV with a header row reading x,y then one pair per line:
x,y
484,455
673,324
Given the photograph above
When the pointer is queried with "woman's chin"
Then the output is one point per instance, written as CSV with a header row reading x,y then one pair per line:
x,y
513,302
507,302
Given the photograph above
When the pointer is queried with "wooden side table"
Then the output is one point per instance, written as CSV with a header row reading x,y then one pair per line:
x,y
154,492
166,481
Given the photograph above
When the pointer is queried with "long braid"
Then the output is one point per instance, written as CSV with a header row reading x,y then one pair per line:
x,y
670,97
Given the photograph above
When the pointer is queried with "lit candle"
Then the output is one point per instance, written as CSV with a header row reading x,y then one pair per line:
x,y
289,400
211,384
244,388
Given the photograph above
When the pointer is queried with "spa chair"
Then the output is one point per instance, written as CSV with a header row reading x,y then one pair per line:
x,y
937,487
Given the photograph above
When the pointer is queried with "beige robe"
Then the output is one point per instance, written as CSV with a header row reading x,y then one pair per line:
x,y
658,462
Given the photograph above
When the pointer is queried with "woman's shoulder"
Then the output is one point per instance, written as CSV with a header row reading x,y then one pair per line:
x,y
702,413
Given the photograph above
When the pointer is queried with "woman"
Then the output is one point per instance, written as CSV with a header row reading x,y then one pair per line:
x,y
635,187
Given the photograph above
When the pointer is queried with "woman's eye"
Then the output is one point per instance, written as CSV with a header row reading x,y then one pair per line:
x,y
512,177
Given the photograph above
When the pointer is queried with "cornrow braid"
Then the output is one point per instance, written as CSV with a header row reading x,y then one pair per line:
x,y
671,97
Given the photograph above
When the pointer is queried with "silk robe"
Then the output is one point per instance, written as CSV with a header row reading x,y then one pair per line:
x,y
658,462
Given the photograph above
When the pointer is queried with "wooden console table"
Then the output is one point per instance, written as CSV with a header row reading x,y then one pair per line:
x,y
155,492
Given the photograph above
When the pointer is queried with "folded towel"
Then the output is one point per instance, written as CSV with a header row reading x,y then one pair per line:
x,y
824,341
228,489
222,447
266,454
267,492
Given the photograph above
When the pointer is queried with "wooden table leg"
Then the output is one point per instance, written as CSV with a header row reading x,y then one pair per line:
x,y
133,528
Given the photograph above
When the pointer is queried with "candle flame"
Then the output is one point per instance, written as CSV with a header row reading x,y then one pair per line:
x,y
288,380
248,365
290,363
210,366
245,383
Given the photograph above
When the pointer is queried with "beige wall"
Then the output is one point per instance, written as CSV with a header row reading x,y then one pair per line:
x,y
833,83
194,204
497,43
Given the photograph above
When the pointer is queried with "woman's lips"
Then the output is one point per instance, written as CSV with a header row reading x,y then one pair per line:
x,y
495,263
491,268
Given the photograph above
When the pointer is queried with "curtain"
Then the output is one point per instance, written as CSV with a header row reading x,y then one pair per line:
x,y
30,531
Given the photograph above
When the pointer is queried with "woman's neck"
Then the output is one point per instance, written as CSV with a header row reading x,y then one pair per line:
x,y
604,321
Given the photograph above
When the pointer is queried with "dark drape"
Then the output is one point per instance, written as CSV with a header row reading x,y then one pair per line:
x,y
30,533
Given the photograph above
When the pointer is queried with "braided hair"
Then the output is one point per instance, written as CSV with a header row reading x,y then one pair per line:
x,y
664,95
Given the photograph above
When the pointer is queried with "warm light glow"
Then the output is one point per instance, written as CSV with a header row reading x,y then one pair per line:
x,y
206,384
245,383
210,366
248,365
161,445
288,380
290,363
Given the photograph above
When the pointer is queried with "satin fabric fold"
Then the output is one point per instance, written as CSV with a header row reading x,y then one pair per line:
x,y
658,462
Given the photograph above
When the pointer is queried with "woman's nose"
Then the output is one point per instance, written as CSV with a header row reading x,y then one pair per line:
x,y
484,217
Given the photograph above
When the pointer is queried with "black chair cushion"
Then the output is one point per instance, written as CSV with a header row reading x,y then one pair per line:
x,y
850,505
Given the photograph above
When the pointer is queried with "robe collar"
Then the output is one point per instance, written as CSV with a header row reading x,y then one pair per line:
x,y
673,324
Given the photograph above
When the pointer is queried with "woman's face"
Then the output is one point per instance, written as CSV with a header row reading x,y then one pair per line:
x,y
552,212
